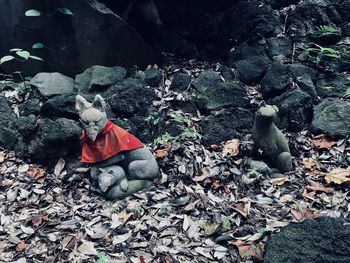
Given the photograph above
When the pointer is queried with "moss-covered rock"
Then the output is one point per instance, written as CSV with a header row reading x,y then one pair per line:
x,y
312,241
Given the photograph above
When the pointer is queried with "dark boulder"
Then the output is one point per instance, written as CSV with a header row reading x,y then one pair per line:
x,y
253,69
226,125
281,76
308,15
332,117
279,47
333,86
129,98
153,77
214,93
250,20
62,106
54,139
30,106
27,126
50,84
99,78
277,4
8,130
180,82
312,241
295,110
94,35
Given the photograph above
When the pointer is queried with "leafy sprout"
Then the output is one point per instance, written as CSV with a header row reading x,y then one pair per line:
x,y
325,30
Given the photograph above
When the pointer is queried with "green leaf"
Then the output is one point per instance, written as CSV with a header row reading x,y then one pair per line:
x,y
38,45
15,49
65,11
32,12
36,58
6,58
24,54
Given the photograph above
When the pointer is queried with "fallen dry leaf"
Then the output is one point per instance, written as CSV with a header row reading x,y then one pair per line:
x,y
249,250
37,220
231,148
279,181
36,173
311,167
321,141
306,213
21,246
2,157
315,186
59,166
339,176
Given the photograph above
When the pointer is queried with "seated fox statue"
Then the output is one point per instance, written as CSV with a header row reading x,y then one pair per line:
x,y
120,164
268,138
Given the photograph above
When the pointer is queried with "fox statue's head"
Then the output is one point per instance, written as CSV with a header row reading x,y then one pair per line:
x,y
93,115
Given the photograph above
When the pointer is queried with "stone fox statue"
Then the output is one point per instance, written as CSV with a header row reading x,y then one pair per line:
x,y
270,140
121,164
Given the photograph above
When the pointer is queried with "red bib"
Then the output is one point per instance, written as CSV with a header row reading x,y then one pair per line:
x,y
110,141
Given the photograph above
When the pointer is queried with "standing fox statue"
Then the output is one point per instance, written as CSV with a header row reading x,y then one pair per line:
x,y
121,164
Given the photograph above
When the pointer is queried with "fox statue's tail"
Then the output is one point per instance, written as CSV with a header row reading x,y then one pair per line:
x,y
134,186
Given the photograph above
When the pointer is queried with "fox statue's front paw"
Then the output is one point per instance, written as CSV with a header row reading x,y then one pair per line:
x,y
124,185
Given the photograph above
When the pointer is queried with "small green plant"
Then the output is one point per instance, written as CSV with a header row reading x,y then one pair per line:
x,y
227,222
114,208
103,257
347,93
20,55
138,210
164,210
323,52
325,30
163,138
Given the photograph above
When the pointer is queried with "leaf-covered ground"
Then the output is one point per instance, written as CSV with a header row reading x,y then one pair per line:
x,y
205,207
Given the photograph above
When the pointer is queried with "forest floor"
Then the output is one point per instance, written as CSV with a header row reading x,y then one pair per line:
x,y
205,207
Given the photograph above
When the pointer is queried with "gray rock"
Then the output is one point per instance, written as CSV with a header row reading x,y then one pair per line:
x,y
226,125
295,110
258,166
77,42
214,93
8,131
252,69
153,77
30,106
279,46
333,86
27,126
55,139
99,78
180,81
54,83
312,241
62,106
129,98
280,76
332,117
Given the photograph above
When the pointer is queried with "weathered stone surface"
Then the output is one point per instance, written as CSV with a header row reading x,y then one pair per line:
x,y
62,106
27,126
226,125
279,46
55,139
55,83
312,241
214,93
99,78
281,3
295,110
281,76
129,98
153,77
180,81
333,86
332,117
30,106
251,70
8,120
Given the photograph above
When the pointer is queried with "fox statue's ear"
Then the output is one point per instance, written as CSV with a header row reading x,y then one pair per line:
x,y
275,107
99,103
262,104
81,104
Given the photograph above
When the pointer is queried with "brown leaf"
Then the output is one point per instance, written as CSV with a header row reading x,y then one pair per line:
x,y
216,184
161,153
311,166
2,157
321,141
36,173
249,250
21,246
75,240
339,176
205,174
279,181
309,195
37,220
315,186
301,214
243,207
231,148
